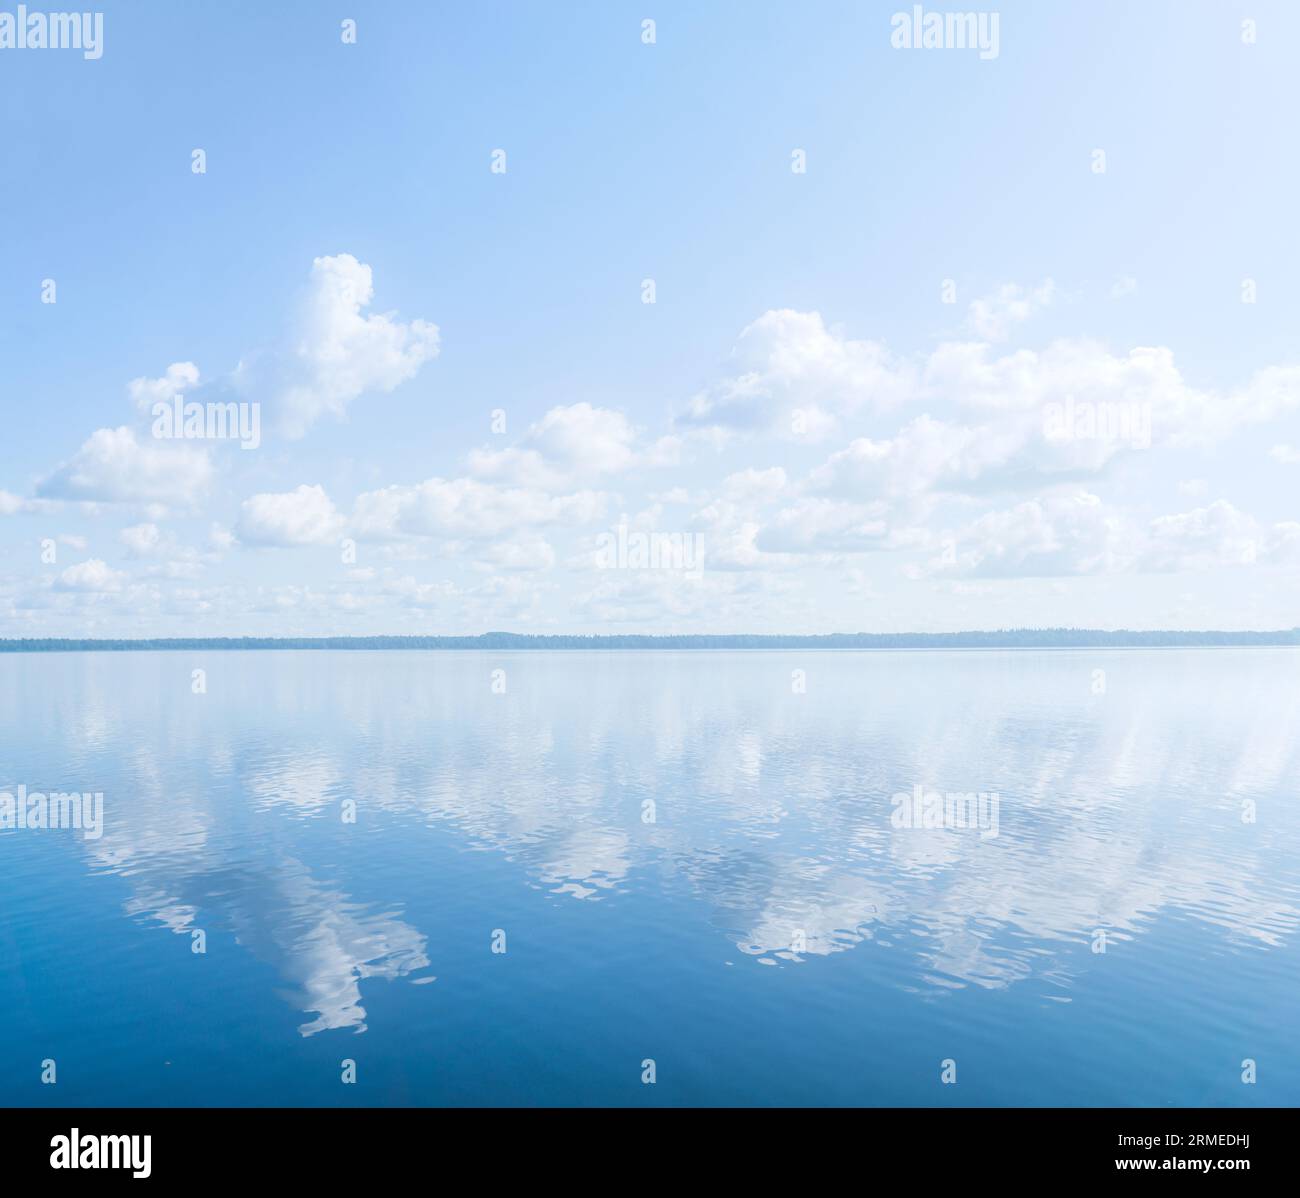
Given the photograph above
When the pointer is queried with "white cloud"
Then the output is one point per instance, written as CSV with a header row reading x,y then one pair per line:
x,y
305,516
1011,451
419,594
790,363
94,576
1282,545
971,376
1076,533
113,466
337,352
574,442
925,455
1061,533
1013,419
1086,375
994,316
755,486
166,558
722,599
519,553
819,525
180,377
1269,393
571,446
1217,535
933,442
584,439
467,508
732,519
220,539
141,540
11,505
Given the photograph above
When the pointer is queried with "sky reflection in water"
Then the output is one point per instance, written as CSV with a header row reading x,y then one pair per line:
x,y
771,846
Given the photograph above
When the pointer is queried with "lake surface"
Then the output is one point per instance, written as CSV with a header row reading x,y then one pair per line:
x,y
689,858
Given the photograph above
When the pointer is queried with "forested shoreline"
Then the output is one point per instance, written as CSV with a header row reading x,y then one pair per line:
x,y
1015,638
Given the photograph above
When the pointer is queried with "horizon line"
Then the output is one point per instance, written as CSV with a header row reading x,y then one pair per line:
x,y
1006,638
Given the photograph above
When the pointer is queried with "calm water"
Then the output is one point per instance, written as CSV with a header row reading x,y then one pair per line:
x,y
691,863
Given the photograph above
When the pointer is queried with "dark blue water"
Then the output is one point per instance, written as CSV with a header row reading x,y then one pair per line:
x,y
693,862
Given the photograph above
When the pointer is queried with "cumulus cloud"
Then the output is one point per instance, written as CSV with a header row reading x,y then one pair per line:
x,y
519,553
973,375
1087,380
164,557
927,454
577,441
761,520
571,446
114,466
305,516
11,505
93,576
1071,407
753,486
796,374
1032,418
822,525
1016,452
179,378
337,351
1004,446
418,594
1282,545
141,540
1216,535
1071,533
732,518
467,508
1075,533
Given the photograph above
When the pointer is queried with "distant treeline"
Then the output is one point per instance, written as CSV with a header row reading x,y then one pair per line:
x,y
1012,638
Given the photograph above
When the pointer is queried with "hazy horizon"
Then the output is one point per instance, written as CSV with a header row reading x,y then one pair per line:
x,y
497,640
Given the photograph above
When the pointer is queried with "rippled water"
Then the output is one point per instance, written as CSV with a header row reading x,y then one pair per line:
x,y
692,859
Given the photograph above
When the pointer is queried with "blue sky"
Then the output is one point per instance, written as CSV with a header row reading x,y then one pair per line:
x,y
1096,430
